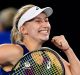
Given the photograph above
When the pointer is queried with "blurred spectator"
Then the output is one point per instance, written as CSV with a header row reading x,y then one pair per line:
x,y
6,19
1,27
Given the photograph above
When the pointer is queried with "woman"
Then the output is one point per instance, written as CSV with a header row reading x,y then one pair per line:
x,y
31,29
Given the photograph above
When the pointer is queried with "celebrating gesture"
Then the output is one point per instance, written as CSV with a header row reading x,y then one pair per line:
x,y
31,28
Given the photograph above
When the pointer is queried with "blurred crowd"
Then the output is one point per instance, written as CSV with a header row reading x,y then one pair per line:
x,y
6,20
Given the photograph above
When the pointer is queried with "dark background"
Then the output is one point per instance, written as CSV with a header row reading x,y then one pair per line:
x,y
65,19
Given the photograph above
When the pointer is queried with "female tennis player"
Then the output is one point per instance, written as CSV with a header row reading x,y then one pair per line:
x,y
31,28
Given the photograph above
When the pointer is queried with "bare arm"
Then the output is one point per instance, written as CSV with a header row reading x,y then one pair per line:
x,y
61,43
66,66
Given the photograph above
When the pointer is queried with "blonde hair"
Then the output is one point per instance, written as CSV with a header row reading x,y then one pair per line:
x,y
16,36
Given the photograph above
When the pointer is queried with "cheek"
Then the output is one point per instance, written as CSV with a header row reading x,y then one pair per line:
x,y
32,31
49,26
29,28
50,29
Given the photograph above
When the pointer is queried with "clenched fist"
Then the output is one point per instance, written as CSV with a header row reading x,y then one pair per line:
x,y
60,42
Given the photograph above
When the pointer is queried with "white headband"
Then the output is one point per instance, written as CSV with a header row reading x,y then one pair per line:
x,y
32,13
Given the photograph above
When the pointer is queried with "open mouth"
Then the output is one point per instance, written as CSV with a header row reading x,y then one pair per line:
x,y
44,31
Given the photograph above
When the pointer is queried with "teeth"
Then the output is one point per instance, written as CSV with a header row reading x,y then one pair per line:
x,y
43,31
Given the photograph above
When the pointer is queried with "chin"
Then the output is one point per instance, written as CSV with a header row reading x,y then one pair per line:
x,y
45,39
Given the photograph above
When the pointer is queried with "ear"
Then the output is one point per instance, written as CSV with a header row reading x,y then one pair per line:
x,y
23,30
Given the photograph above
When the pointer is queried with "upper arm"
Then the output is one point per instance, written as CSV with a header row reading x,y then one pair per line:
x,y
66,66
9,53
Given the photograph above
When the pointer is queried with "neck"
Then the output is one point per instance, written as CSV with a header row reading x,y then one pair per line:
x,y
32,45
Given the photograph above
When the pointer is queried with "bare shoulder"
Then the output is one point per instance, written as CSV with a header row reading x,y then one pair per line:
x,y
10,47
10,52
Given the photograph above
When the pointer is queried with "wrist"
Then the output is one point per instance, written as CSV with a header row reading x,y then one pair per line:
x,y
66,49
